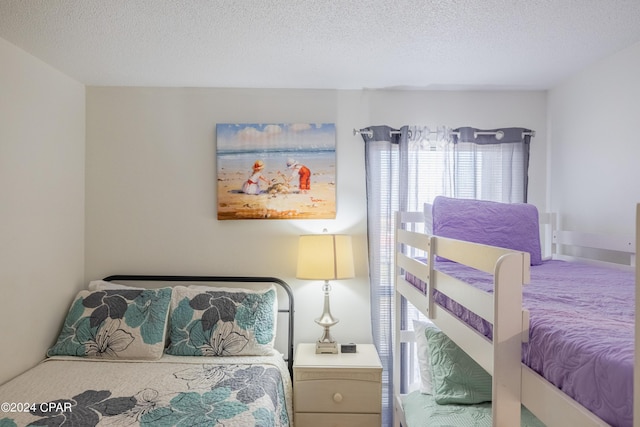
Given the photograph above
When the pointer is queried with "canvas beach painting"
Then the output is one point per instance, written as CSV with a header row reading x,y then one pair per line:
x,y
276,171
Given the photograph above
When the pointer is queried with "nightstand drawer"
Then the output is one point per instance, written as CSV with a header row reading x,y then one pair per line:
x,y
338,396
338,420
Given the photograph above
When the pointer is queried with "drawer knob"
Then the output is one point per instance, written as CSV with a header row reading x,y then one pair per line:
x,y
337,398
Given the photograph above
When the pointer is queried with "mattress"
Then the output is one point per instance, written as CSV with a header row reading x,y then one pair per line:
x,y
175,390
421,410
581,330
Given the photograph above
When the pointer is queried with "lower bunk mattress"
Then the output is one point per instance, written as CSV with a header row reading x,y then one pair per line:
x,y
175,390
421,410
581,336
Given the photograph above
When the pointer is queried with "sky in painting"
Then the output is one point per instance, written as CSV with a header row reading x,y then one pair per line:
x,y
242,137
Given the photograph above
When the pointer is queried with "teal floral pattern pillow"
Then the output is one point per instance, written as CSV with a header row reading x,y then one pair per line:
x,y
457,378
222,322
115,324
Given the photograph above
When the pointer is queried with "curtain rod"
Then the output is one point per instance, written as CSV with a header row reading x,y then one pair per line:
x,y
498,134
369,133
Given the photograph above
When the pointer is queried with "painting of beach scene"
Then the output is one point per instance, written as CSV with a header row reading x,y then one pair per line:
x,y
276,171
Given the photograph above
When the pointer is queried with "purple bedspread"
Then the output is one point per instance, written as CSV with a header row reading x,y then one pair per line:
x,y
581,331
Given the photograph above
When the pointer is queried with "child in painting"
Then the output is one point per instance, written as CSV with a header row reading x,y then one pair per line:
x,y
303,172
252,185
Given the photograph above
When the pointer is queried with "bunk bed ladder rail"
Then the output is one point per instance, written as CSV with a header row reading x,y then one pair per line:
x,y
507,340
404,239
503,309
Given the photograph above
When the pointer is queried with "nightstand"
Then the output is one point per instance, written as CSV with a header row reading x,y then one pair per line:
x,y
332,390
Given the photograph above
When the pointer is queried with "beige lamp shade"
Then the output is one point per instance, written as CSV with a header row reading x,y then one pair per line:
x,y
325,257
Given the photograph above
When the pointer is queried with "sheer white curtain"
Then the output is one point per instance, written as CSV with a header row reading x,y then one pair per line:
x,y
488,164
412,165
396,168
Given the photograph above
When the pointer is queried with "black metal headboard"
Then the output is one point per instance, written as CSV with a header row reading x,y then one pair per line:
x,y
229,279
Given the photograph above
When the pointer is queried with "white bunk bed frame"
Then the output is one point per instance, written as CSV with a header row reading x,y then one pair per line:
x,y
513,382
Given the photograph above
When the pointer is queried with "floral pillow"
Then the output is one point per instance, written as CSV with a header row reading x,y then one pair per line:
x,y
115,324
222,322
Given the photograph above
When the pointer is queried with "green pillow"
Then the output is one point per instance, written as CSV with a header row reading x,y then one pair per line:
x,y
457,378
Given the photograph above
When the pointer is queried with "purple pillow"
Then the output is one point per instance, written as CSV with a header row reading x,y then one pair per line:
x,y
507,225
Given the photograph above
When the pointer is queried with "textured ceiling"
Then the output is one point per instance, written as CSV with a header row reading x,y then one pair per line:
x,y
337,44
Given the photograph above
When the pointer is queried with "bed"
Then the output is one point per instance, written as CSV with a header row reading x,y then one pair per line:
x,y
555,348
164,351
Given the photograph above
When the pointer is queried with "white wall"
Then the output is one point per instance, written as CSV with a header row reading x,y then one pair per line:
x,y
42,133
151,202
151,193
595,146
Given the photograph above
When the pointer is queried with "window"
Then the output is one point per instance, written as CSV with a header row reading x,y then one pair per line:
x,y
409,167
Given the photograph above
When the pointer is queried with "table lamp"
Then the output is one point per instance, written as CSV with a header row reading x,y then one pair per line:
x,y
325,257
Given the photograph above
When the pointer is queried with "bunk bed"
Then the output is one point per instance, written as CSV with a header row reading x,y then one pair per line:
x,y
488,298
164,350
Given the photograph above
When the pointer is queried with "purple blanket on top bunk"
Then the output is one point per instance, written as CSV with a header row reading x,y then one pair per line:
x,y
581,331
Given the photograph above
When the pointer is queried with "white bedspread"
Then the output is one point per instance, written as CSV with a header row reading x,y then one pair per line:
x,y
229,391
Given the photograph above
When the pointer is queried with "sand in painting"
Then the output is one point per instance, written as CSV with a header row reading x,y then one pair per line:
x,y
277,200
